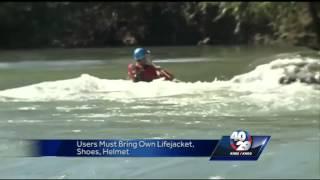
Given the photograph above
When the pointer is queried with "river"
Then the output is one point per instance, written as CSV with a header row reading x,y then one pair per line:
x,y
84,93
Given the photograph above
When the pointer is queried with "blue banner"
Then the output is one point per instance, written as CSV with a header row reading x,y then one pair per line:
x,y
126,148
239,146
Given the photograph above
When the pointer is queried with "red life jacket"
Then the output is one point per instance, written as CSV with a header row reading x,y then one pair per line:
x,y
146,73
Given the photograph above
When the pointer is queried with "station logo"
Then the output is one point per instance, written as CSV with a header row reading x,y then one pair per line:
x,y
240,142
240,145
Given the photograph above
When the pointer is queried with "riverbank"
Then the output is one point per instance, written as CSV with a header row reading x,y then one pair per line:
x,y
117,24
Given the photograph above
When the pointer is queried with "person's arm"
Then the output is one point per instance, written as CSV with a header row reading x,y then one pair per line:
x,y
137,77
163,73
138,73
166,74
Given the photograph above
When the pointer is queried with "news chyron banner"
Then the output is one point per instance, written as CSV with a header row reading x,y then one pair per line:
x,y
240,145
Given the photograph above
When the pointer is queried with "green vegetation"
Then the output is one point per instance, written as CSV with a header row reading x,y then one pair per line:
x,y
98,24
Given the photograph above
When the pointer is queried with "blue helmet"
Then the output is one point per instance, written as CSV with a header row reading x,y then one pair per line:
x,y
140,53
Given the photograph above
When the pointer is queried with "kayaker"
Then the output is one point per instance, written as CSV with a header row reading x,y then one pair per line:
x,y
144,70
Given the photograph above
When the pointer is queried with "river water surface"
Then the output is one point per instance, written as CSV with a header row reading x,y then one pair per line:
x,y
84,93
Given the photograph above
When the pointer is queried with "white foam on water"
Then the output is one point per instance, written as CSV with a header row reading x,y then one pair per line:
x,y
94,115
145,120
259,86
216,177
140,107
76,130
266,76
69,108
88,87
24,121
27,108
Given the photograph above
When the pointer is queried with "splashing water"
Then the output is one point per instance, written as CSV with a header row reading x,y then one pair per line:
x,y
91,107
260,86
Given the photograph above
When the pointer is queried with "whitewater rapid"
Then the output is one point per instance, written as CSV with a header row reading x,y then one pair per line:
x,y
261,84
88,107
